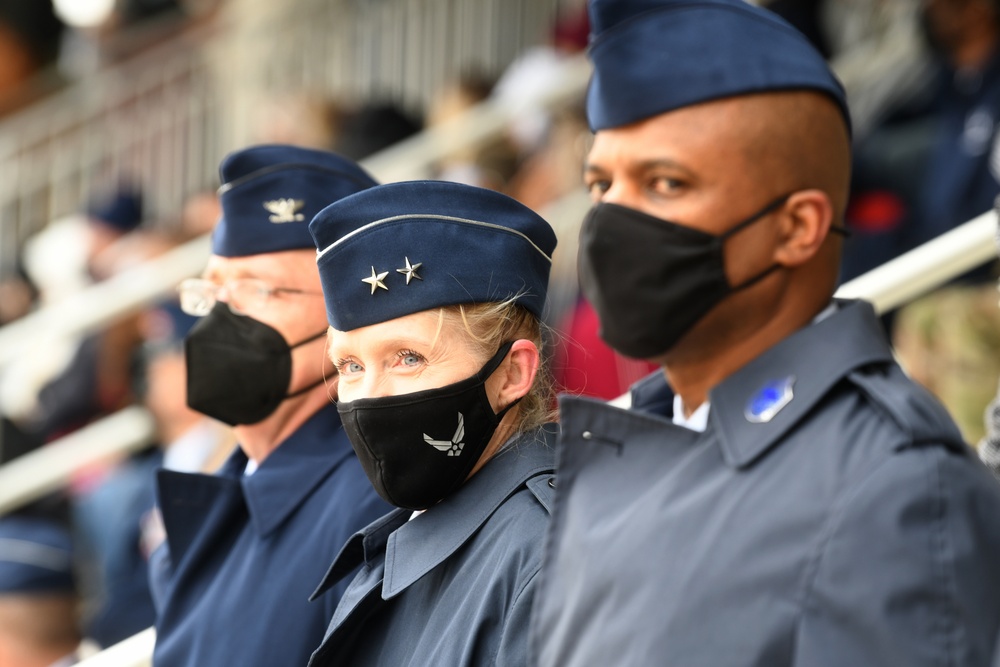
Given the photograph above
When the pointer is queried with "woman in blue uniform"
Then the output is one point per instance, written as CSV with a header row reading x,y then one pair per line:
x,y
434,293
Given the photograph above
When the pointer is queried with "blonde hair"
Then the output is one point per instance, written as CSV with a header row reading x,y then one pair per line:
x,y
489,326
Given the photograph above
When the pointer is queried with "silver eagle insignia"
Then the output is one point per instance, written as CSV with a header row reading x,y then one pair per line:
x,y
455,445
285,210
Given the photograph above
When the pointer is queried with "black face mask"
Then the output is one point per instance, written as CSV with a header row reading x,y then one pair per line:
x,y
651,280
418,448
238,368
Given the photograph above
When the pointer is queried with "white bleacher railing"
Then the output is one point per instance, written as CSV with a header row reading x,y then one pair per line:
x,y
166,117
917,272
136,651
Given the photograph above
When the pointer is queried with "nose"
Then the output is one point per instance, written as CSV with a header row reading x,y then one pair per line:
x,y
376,385
620,192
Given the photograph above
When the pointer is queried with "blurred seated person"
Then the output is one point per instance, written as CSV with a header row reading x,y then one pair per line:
x,y
97,379
116,518
435,333
29,43
38,602
931,166
935,162
374,127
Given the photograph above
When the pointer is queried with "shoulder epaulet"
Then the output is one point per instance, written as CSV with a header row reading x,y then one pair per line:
x,y
911,407
543,487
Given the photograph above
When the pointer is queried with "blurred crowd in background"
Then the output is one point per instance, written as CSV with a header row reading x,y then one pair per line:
x,y
923,77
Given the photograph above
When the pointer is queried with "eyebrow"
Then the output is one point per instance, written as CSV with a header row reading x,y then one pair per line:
x,y
394,344
241,273
641,165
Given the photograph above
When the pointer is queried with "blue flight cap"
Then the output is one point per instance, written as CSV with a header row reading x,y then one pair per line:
x,y
270,193
654,56
122,210
36,557
403,248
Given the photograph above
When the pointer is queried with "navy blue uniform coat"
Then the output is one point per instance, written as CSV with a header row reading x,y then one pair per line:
x,y
454,586
232,582
854,529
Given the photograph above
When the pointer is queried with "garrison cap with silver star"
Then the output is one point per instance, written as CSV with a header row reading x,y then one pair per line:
x,y
407,247
270,193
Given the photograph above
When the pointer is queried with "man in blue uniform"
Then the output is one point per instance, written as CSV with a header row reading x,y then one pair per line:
x,y
781,494
245,547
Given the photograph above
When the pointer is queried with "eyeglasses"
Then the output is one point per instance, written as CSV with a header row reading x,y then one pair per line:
x,y
199,296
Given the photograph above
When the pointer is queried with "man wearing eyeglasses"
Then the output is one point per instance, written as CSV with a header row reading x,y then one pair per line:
x,y
243,546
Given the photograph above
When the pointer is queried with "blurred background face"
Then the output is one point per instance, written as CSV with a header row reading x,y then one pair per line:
x,y
401,356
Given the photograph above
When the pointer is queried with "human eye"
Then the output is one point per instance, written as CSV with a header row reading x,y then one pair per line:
x,y
665,186
348,366
409,358
597,187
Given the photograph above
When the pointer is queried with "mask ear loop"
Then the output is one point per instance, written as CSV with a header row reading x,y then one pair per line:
x,y
490,368
318,382
770,208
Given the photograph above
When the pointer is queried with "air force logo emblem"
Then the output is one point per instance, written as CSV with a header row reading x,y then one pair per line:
x,y
455,445
285,210
769,400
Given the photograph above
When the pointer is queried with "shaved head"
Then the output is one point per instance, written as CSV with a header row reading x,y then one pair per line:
x,y
800,141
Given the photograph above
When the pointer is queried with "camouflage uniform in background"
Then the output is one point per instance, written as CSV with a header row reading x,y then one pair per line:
x,y
949,341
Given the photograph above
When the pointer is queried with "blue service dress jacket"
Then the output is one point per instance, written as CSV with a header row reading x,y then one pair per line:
x,y
243,553
853,528
453,586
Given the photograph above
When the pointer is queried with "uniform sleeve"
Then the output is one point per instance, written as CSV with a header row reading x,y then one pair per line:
x,y
909,572
514,642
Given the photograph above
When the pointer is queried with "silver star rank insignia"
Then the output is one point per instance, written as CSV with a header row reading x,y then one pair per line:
x,y
376,280
410,271
285,210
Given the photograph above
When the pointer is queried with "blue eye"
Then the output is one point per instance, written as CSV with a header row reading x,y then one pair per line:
x,y
348,367
410,358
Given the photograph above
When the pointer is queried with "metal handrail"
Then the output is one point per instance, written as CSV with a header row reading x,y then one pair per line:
x,y
49,468
931,265
136,651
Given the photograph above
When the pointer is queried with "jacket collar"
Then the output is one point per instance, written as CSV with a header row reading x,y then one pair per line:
x,y
292,471
816,358
411,549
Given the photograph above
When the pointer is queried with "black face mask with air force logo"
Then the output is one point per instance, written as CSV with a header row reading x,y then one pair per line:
x,y
420,447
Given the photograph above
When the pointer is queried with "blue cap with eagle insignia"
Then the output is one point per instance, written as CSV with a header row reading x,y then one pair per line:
x,y
654,56
403,248
270,193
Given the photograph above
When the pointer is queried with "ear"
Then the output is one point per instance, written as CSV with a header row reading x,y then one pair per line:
x,y
516,375
805,225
